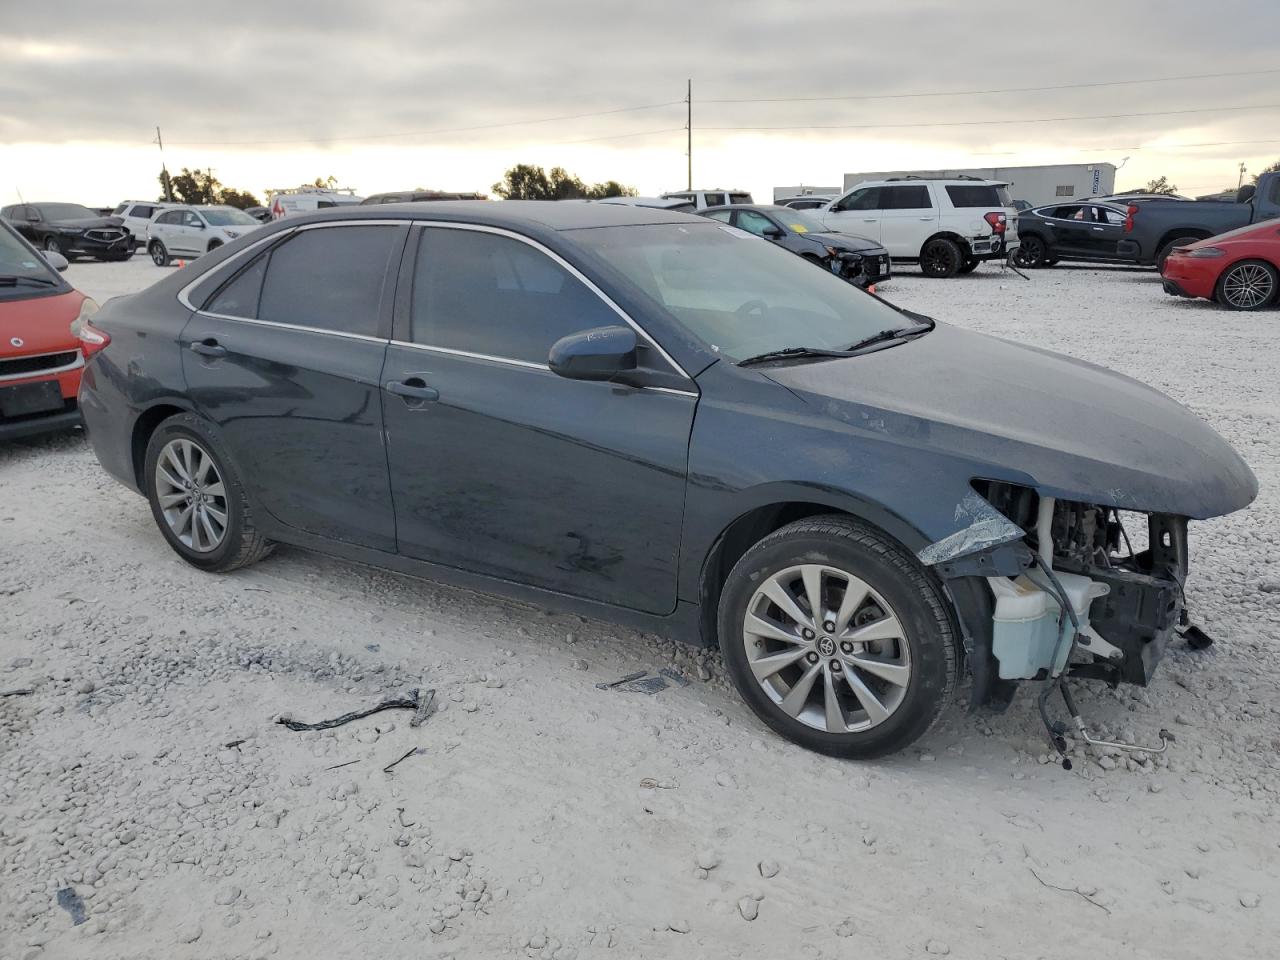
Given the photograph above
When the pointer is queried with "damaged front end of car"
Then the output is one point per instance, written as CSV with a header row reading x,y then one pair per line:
x,y
1010,570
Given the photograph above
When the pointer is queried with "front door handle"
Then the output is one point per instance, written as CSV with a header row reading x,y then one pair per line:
x,y
926,219
870,220
412,388
208,347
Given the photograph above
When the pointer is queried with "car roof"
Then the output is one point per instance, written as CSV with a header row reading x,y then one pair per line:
x,y
512,214
774,208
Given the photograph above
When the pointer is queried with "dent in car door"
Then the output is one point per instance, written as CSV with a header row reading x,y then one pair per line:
x,y
503,468
286,359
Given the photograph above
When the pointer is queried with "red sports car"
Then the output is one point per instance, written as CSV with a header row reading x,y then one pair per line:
x,y
1240,269
43,340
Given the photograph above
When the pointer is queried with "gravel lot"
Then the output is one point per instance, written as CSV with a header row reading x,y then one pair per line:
x,y
543,817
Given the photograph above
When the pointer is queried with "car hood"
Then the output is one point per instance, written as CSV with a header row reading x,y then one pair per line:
x,y
845,241
1072,429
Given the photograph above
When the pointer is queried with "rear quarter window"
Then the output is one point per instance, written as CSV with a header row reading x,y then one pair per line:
x,y
978,195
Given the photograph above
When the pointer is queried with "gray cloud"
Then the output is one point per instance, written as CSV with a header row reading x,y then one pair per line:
x,y
245,71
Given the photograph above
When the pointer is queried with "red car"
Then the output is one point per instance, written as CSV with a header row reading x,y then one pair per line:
x,y
42,340
1240,269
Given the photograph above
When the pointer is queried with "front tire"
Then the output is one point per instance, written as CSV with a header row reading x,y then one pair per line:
x,y
970,265
941,258
871,672
1247,285
197,499
54,245
159,255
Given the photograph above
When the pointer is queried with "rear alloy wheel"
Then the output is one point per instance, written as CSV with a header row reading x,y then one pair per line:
x,y
1030,253
941,258
837,639
159,255
1248,285
197,499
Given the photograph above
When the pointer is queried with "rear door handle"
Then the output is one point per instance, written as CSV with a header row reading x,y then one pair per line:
x,y
208,347
412,388
926,219
870,220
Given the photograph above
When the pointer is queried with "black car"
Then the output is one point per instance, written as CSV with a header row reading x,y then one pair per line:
x,y
857,259
656,419
1070,231
71,230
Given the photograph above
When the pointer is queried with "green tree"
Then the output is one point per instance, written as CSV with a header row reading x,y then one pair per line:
x,y
197,186
166,185
328,182
1160,185
240,199
525,181
1274,168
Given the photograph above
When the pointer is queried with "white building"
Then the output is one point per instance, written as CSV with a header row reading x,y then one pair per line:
x,y
1037,185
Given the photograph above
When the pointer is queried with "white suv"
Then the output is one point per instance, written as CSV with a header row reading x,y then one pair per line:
x,y
188,232
948,226
136,216
702,199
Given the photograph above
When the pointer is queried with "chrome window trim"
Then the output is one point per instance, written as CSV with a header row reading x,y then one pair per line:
x,y
47,371
231,265
507,361
574,271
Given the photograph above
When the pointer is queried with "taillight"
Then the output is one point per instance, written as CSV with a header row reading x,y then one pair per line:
x,y
997,221
92,339
1128,217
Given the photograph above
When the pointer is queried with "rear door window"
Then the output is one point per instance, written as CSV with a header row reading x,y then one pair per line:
x,y
143,211
715,199
913,197
330,279
239,298
493,295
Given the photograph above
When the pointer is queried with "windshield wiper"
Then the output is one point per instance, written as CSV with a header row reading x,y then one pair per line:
x,y
38,281
792,353
896,333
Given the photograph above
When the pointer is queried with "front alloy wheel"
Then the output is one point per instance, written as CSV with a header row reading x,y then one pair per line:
x,y
1248,286
837,637
827,648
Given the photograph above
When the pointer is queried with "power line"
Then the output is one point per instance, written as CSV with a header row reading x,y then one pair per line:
x,y
621,136
424,133
973,93
980,123
1137,146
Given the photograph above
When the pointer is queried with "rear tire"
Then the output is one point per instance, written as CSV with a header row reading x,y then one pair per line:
x,y
941,258
159,255
876,669
197,499
1031,252
1247,285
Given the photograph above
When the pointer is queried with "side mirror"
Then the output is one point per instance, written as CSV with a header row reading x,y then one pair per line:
x,y
774,233
55,260
599,354
1245,193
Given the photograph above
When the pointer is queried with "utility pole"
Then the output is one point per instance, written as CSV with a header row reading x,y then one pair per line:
x,y
688,127
1240,180
168,188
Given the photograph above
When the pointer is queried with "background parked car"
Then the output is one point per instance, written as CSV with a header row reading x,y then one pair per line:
x,y
656,203
419,196
188,232
1070,231
294,200
261,214
702,199
136,215
41,316
808,201
1154,227
71,230
861,261
948,226
1239,269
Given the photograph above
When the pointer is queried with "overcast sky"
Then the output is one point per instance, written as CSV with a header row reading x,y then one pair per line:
x,y
376,93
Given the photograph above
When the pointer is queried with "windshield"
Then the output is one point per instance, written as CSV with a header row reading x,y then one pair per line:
x,y
65,211
228,218
802,222
738,293
19,260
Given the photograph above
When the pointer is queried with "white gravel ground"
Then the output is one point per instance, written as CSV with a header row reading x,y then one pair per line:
x,y
546,818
